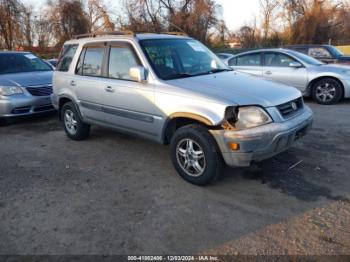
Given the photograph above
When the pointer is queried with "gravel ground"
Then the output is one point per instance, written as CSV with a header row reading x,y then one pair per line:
x,y
116,194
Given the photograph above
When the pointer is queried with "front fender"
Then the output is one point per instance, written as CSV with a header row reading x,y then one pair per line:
x,y
209,112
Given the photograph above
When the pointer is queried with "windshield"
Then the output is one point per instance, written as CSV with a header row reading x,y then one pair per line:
x,y
335,51
307,59
21,62
179,58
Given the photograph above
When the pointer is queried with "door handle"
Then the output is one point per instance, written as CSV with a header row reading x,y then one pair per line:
x,y
109,89
72,83
268,73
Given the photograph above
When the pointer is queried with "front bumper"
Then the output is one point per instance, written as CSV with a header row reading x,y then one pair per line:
x,y
22,105
262,142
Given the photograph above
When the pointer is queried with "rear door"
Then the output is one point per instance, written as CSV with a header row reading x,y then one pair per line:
x,y
248,63
88,80
277,68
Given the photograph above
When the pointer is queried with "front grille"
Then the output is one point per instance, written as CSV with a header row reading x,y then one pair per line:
x,y
40,90
291,108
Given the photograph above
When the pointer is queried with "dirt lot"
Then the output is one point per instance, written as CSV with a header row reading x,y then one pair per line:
x,y
115,194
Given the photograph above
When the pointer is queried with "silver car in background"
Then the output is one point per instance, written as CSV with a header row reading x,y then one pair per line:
x,y
25,85
225,57
326,84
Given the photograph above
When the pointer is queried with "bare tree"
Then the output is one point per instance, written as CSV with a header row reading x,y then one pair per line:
x,y
10,23
68,18
98,16
268,8
247,36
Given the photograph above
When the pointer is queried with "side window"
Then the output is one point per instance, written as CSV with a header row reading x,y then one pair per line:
x,y
249,60
93,59
232,62
121,59
319,52
277,60
66,57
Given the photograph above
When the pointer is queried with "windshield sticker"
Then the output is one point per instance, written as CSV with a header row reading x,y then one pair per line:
x,y
196,46
30,56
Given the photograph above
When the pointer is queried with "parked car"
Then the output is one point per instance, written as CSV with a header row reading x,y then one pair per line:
x,y
327,84
25,85
225,57
52,62
174,90
326,53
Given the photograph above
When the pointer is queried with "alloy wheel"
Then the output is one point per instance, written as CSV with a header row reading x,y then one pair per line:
x,y
190,157
326,92
70,122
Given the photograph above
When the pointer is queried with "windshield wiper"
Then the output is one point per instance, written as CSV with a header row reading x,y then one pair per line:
x,y
180,75
213,71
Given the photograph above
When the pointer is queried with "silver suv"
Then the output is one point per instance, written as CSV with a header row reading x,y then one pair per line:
x,y
174,90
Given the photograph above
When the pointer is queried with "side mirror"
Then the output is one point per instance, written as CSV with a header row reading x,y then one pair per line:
x,y
295,64
138,73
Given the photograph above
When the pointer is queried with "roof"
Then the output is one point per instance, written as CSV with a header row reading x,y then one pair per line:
x,y
265,50
306,45
138,36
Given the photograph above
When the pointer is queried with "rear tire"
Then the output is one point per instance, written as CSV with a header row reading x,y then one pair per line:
x,y
74,127
327,91
195,155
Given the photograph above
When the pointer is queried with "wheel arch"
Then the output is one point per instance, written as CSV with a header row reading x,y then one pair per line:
x,y
62,101
180,119
313,81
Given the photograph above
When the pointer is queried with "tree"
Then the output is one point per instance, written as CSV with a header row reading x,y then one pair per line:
x,y
98,16
195,17
68,18
247,36
268,8
10,23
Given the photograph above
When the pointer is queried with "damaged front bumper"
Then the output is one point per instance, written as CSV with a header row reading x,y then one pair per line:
x,y
262,142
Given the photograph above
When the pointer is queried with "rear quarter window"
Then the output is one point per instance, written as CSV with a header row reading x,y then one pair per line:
x,y
66,57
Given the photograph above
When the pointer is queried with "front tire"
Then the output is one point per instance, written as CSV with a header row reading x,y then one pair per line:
x,y
327,91
74,127
195,155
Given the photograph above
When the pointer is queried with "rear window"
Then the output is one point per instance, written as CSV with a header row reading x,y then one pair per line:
x,y
66,57
21,62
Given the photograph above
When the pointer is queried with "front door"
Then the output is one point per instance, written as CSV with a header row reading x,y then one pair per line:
x,y
127,104
277,68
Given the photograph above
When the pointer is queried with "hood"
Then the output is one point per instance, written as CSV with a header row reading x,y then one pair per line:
x,y
26,79
238,89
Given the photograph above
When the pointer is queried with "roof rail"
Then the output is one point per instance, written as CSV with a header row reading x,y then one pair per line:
x,y
175,33
126,32
95,34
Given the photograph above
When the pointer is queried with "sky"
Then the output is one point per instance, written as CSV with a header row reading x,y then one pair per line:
x,y
236,13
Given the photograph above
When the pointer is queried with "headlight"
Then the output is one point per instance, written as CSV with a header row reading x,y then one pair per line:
x,y
250,116
10,90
